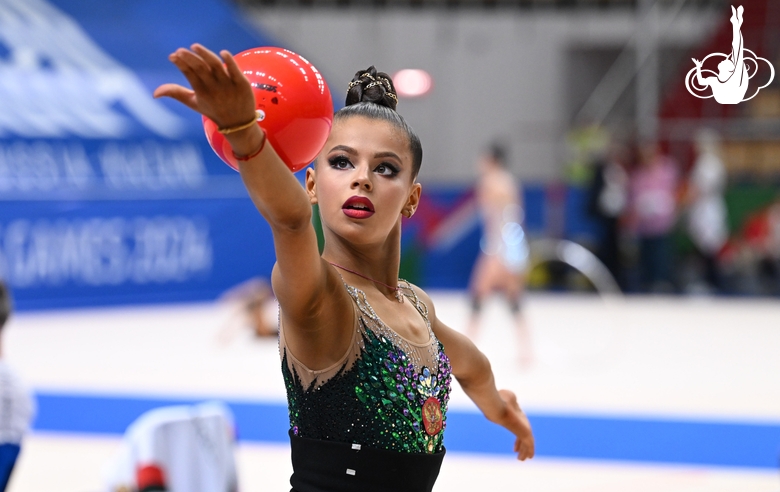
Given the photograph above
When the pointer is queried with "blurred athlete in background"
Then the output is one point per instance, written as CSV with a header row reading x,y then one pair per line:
x,y
503,259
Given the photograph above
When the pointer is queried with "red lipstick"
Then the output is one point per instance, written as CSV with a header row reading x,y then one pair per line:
x,y
358,207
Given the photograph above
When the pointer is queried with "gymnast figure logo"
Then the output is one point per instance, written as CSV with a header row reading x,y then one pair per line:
x,y
730,84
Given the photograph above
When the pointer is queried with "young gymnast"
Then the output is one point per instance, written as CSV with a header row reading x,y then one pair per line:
x,y
503,259
366,361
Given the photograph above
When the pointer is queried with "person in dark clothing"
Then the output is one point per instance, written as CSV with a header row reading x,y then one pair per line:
x,y
607,202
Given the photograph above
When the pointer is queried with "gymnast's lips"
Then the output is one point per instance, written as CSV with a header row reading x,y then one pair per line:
x,y
358,207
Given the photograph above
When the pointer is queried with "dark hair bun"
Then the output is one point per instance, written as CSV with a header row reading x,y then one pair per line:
x,y
372,86
498,152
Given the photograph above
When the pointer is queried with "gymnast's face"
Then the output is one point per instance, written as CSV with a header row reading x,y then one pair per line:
x,y
487,163
363,180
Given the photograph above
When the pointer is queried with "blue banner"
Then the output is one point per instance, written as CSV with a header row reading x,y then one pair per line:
x,y
108,195
68,253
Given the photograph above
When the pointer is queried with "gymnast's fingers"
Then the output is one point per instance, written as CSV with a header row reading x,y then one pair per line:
x,y
179,58
212,60
234,72
198,68
181,94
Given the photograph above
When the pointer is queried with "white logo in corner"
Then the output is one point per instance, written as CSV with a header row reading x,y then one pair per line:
x,y
730,84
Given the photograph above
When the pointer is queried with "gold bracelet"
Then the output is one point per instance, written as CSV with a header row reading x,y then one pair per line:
x,y
233,129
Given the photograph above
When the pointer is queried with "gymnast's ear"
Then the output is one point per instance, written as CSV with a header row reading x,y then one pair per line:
x,y
413,201
311,185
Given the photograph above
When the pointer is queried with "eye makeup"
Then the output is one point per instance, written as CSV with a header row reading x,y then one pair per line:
x,y
339,162
390,170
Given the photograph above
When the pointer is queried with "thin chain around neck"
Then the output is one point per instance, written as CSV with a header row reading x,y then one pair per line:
x,y
397,288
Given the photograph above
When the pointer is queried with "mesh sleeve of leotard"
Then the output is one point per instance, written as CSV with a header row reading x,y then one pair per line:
x,y
318,377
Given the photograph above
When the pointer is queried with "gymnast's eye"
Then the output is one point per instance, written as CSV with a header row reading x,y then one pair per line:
x,y
386,169
339,162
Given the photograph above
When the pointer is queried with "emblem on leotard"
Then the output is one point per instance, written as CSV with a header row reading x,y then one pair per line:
x,y
730,84
432,416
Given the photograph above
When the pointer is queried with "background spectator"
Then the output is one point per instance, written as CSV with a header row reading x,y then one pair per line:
x,y
653,214
706,221
607,202
16,409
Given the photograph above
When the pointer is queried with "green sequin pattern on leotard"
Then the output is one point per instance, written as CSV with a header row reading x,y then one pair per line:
x,y
388,399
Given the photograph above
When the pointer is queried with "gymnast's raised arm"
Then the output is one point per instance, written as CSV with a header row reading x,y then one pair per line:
x,y
301,282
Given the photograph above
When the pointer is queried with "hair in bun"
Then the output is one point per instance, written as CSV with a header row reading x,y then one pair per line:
x,y
372,86
371,94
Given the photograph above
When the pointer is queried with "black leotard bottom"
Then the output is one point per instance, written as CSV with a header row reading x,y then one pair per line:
x,y
327,466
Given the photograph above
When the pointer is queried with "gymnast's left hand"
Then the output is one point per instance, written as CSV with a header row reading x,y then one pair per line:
x,y
516,421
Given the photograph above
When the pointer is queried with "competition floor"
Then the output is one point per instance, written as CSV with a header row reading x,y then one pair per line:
x,y
636,394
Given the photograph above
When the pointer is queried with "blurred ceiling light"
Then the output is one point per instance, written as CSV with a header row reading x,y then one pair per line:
x,y
412,82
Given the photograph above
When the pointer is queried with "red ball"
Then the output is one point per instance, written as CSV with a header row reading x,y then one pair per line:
x,y
293,101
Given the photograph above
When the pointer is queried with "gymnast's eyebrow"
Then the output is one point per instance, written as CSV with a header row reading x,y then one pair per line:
x,y
348,150
388,153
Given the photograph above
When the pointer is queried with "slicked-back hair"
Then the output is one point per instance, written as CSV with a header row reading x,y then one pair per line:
x,y
372,95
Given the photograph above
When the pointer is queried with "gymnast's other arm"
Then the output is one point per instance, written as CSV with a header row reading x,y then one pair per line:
x,y
472,370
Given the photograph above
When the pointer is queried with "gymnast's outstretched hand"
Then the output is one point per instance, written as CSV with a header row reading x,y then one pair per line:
x,y
517,423
219,91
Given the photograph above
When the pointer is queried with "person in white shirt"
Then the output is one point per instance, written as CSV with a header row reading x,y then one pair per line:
x,y
183,448
707,215
16,404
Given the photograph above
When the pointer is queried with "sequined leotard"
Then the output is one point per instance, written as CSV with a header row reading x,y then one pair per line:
x,y
385,402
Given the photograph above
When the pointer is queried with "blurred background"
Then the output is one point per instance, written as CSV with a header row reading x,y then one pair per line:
x,y
650,230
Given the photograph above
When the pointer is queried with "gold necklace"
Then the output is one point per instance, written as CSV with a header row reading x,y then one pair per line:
x,y
397,288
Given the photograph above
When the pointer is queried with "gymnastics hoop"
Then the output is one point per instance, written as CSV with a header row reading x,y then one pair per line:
x,y
599,341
